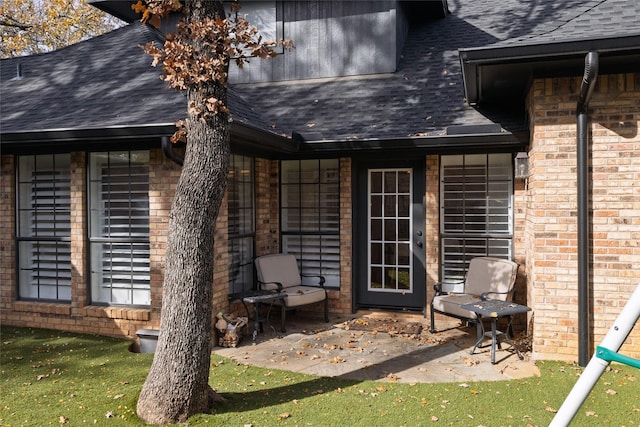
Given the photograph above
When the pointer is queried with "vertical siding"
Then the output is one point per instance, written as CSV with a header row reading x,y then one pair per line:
x,y
332,39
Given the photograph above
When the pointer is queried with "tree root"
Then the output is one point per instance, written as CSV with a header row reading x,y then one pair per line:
x,y
213,397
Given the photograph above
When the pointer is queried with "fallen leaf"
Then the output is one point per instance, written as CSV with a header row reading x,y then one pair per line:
x,y
611,392
434,418
109,414
63,419
472,391
464,385
590,414
118,396
284,416
550,409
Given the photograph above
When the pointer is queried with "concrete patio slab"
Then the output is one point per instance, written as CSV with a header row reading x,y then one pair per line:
x,y
330,349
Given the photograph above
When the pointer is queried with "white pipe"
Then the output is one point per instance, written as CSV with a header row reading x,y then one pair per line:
x,y
613,341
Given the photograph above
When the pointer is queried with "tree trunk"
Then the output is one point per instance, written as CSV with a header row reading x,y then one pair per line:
x,y
177,386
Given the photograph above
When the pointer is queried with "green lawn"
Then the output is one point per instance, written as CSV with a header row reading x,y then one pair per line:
x,y
54,378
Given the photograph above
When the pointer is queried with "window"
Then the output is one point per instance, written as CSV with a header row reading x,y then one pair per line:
x,y
476,215
241,223
44,227
310,215
119,227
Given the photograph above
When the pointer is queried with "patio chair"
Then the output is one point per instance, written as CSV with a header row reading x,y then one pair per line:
x,y
280,272
487,278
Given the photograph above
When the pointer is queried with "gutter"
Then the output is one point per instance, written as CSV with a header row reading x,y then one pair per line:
x,y
422,144
169,152
619,54
591,64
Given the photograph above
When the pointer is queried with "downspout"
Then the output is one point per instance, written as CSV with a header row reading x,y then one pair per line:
x,y
167,149
586,89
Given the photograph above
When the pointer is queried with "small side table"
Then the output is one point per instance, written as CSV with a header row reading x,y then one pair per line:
x,y
257,297
495,309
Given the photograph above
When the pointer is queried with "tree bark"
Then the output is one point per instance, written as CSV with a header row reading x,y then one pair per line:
x,y
177,386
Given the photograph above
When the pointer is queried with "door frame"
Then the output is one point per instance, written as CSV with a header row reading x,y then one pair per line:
x,y
360,195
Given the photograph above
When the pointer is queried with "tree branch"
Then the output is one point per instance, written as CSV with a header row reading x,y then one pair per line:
x,y
7,21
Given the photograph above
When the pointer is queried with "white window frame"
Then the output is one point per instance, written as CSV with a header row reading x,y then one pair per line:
x,y
383,265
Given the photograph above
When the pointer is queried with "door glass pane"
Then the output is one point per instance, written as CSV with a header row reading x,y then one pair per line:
x,y
390,230
390,205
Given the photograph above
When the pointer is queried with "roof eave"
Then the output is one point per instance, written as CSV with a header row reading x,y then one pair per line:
x,y
527,57
245,137
54,136
440,144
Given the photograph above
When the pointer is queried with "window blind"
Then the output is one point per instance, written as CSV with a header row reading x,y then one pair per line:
x,y
44,230
120,228
310,216
476,215
241,226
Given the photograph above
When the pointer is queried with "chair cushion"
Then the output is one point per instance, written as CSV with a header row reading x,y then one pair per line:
x,y
303,295
451,304
487,274
281,268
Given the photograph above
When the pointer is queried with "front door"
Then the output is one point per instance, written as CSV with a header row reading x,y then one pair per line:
x,y
389,250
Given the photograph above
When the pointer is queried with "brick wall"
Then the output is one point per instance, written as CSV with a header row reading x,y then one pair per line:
x,y
7,231
341,301
432,225
78,315
551,203
267,206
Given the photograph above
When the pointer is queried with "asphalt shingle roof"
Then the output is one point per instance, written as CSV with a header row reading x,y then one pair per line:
x,y
426,94
102,82
581,20
108,82
99,83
